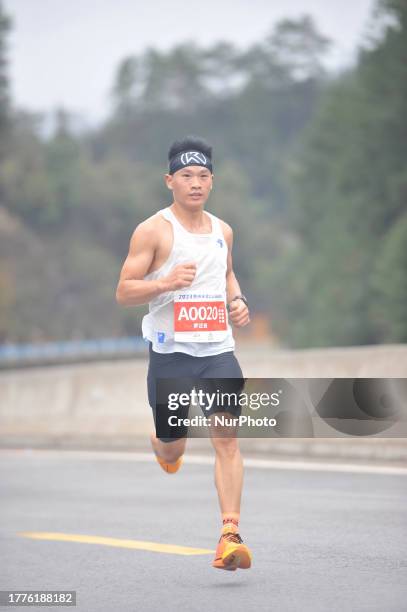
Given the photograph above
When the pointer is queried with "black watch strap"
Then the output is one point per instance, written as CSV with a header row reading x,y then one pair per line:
x,y
238,297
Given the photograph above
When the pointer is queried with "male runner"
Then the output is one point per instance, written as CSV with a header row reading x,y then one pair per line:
x,y
183,253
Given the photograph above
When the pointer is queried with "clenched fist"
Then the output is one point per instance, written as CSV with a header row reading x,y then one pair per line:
x,y
239,313
180,276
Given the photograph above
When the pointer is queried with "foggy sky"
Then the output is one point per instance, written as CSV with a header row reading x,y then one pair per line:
x,y
64,53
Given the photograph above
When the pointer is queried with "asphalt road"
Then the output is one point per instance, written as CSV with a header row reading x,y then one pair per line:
x,y
321,540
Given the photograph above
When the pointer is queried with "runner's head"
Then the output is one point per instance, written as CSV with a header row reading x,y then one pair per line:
x,y
190,171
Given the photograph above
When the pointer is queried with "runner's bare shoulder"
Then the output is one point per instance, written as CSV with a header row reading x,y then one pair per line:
x,y
149,232
227,232
144,243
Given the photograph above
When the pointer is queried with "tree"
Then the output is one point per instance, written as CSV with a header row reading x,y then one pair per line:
x,y
292,52
124,92
62,161
389,283
350,194
5,25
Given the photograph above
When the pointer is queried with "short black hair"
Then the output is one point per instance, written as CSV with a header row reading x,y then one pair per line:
x,y
190,143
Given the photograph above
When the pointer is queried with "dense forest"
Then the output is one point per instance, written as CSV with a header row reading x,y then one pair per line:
x,y
310,169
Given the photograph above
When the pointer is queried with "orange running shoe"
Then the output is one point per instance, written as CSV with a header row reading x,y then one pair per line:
x,y
231,553
170,468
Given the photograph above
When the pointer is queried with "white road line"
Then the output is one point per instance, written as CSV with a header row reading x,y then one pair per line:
x,y
264,464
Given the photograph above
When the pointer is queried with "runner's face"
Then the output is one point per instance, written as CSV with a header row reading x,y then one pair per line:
x,y
191,185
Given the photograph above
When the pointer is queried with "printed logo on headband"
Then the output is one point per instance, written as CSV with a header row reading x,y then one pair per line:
x,y
193,156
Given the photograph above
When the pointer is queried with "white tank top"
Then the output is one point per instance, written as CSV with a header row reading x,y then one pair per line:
x,y
209,251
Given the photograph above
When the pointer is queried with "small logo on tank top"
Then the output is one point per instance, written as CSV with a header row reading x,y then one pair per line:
x,y
220,242
161,337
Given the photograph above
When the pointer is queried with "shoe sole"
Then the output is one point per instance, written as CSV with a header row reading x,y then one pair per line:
x,y
164,465
238,558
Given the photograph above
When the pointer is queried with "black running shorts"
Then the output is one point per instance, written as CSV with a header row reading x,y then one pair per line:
x,y
211,372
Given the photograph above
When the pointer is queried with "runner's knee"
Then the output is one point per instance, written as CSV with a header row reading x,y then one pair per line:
x,y
225,447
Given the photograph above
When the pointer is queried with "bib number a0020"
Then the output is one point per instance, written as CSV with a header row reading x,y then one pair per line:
x,y
199,317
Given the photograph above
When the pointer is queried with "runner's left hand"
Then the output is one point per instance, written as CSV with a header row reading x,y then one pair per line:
x,y
239,313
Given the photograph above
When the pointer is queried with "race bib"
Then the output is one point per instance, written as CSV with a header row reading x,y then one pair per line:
x,y
199,317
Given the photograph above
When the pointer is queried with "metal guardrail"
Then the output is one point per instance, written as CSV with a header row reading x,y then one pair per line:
x,y
22,355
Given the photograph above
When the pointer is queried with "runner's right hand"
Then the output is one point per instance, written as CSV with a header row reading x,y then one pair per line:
x,y
181,276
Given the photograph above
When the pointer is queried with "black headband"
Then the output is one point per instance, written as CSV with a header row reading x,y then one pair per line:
x,y
189,158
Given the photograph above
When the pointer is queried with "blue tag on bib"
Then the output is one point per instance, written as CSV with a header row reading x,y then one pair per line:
x,y
161,337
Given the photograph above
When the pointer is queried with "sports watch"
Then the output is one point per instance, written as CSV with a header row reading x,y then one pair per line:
x,y
238,297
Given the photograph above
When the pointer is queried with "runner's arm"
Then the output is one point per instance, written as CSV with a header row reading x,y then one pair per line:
x,y
232,285
238,312
132,290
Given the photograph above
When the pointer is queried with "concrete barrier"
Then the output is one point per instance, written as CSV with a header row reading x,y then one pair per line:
x,y
104,404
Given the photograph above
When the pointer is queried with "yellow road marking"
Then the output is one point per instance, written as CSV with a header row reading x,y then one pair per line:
x,y
137,544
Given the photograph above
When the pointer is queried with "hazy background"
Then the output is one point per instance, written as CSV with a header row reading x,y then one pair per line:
x,y
305,105
67,53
